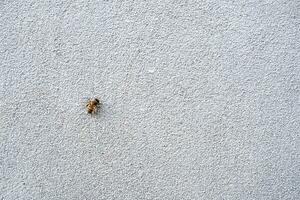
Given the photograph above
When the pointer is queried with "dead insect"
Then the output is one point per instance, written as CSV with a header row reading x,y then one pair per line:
x,y
92,106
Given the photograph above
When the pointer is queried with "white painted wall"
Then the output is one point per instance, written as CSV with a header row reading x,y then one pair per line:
x,y
201,99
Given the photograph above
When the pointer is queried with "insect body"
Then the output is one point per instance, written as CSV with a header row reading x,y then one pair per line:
x,y
92,106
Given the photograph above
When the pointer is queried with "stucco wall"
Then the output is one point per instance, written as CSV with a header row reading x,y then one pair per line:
x,y
201,99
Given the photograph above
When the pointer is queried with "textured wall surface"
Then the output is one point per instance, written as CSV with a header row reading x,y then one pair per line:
x,y
201,99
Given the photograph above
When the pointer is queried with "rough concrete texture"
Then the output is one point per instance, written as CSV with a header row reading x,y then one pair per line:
x,y
201,99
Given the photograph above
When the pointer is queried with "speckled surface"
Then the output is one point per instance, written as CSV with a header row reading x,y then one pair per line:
x,y
201,99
